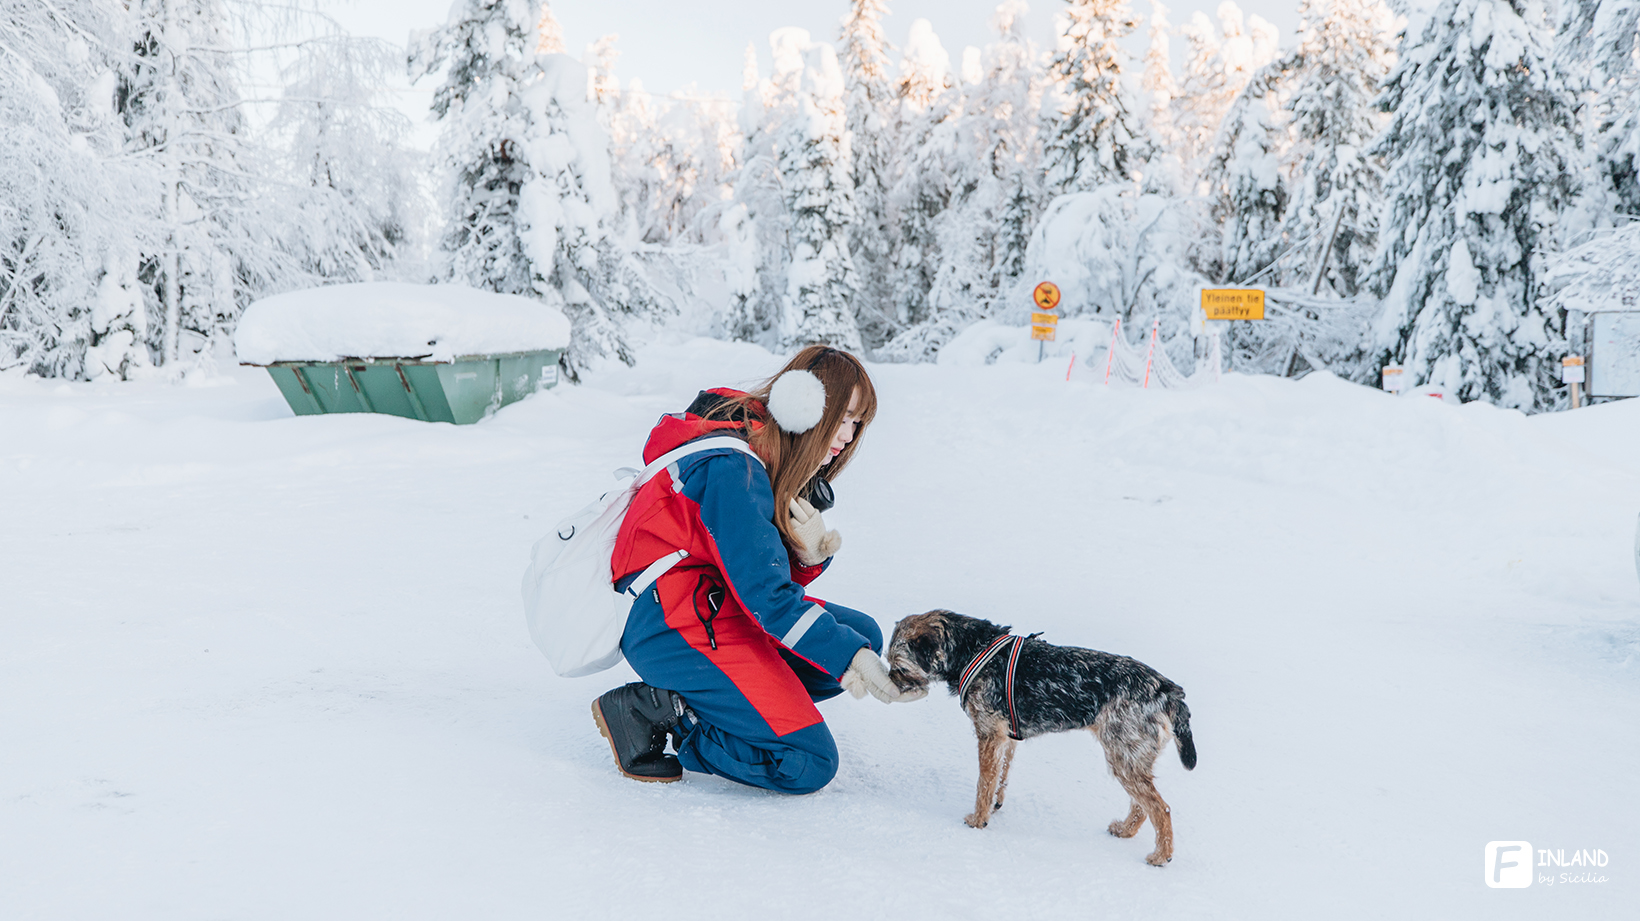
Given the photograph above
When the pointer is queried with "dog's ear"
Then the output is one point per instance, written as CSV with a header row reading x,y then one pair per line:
x,y
923,650
928,646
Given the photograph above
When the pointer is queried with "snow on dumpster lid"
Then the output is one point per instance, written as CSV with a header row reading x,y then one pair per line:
x,y
395,320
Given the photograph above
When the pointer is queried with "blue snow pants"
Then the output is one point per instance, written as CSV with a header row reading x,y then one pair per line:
x,y
740,694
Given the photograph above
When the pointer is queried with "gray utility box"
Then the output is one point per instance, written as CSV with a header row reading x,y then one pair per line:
x,y
1614,353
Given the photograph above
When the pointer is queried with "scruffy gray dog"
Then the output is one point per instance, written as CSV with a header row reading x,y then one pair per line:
x,y
1128,705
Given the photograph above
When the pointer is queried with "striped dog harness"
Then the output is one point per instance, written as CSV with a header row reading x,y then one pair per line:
x,y
986,655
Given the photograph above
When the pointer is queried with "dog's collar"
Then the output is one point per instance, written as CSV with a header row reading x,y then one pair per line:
x,y
986,655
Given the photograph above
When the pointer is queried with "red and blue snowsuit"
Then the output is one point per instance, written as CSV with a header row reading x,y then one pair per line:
x,y
730,628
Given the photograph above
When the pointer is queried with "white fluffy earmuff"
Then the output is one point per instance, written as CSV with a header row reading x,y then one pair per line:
x,y
797,401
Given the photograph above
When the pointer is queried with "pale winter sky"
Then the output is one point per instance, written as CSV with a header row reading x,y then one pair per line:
x,y
669,44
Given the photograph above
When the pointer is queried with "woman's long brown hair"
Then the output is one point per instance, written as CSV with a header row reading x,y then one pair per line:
x,y
793,459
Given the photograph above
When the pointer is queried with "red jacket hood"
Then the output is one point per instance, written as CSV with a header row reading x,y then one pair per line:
x,y
675,429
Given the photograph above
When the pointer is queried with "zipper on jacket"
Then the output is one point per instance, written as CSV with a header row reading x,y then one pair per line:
x,y
714,603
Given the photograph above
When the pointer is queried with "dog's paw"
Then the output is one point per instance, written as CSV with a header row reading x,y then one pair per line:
x,y
1158,859
972,820
1121,829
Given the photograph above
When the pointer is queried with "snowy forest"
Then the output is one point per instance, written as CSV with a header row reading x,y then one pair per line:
x,y
1447,188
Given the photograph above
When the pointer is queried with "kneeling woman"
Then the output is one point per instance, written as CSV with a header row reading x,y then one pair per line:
x,y
732,653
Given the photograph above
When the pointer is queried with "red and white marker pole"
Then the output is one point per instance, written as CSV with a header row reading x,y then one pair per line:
x,y
1150,354
1110,354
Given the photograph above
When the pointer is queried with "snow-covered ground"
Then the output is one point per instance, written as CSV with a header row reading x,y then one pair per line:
x,y
255,666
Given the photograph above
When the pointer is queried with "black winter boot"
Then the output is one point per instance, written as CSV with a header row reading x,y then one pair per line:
x,y
636,719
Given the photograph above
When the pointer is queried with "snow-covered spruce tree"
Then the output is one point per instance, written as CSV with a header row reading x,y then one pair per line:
x,y
712,123
72,215
1199,104
347,175
1247,192
1477,150
669,154
217,244
201,214
1090,134
811,148
532,207
870,105
549,35
643,167
922,202
1221,60
650,182
1597,50
1347,48
929,106
1616,146
1602,273
488,48
1252,205
1166,162
568,216
987,153
753,226
1001,118
692,153
925,70
600,59
1599,36
670,161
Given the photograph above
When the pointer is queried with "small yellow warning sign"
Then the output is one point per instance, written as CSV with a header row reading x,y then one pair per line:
x,y
1233,303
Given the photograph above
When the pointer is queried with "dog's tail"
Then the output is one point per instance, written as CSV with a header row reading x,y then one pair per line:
x,y
1179,713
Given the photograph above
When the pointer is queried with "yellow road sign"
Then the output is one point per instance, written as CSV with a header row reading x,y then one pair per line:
x,y
1046,295
1042,332
1233,303
1044,319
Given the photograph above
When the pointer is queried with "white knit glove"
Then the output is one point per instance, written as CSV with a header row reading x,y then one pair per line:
x,y
867,674
815,544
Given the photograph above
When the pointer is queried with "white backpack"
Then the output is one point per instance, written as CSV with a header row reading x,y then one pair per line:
x,y
575,614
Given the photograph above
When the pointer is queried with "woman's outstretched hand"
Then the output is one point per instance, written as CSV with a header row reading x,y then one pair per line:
x,y
867,675
817,544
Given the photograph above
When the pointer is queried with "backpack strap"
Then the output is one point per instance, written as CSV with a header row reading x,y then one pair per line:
x,y
654,571
660,567
716,443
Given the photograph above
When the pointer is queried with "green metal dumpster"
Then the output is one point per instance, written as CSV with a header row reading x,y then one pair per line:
x,y
438,353
461,391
